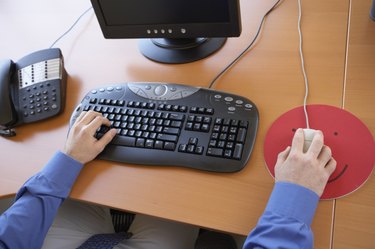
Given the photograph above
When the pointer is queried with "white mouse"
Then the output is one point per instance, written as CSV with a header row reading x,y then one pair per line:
x,y
309,135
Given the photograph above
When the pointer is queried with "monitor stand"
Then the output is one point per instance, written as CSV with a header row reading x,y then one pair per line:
x,y
177,51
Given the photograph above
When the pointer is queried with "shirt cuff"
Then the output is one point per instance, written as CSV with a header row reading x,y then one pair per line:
x,y
294,201
62,169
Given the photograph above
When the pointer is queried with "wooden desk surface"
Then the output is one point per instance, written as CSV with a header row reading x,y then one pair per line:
x,y
354,214
269,74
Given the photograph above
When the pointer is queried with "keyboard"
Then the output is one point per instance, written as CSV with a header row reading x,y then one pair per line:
x,y
174,125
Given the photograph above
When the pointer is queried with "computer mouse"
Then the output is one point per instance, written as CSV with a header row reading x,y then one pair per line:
x,y
309,135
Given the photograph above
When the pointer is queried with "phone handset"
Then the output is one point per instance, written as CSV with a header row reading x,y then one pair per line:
x,y
8,115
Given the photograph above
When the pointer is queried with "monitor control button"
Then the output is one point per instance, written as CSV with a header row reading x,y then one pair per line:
x,y
248,106
228,99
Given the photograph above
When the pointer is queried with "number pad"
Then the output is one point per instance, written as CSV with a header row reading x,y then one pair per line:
x,y
227,138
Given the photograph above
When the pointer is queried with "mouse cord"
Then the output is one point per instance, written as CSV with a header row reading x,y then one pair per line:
x,y
303,65
246,49
71,27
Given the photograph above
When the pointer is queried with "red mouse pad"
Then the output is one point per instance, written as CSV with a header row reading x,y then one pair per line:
x,y
351,142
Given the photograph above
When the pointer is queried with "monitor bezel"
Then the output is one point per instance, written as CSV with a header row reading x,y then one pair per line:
x,y
186,30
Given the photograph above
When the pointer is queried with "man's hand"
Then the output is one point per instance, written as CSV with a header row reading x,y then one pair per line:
x,y
81,143
311,169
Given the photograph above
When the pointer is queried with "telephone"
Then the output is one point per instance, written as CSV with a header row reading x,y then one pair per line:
x,y
31,89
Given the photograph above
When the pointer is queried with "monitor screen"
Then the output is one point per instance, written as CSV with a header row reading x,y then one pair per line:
x,y
178,24
177,12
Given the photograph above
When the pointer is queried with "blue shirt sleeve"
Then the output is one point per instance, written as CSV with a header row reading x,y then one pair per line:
x,y
26,223
286,220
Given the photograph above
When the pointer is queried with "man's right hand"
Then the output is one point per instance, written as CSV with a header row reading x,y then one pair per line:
x,y
311,169
81,143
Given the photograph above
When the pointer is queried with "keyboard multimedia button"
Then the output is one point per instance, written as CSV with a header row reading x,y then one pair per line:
x,y
160,90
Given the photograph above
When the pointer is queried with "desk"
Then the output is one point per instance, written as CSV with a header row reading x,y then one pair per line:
x,y
354,214
269,75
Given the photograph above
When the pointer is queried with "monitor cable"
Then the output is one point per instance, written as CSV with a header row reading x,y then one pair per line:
x,y
246,49
71,27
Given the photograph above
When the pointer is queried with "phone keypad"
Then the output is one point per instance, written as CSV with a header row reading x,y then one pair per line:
x,y
39,101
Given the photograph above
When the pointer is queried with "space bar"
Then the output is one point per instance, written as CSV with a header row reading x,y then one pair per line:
x,y
124,141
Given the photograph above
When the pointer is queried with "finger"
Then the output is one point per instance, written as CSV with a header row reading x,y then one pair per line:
x,y
81,115
89,117
331,166
107,137
283,155
98,121
297,142
317,144
325,155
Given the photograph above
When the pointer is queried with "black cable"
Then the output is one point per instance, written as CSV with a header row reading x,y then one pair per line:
x,y
246,49
71,27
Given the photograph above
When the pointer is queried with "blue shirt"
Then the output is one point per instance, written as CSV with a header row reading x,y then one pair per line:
x,y
286,220
26,223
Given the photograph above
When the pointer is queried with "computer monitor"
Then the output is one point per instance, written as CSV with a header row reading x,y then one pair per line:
x,y
176,31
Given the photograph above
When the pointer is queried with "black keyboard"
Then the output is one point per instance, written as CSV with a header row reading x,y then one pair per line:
x,y
175,125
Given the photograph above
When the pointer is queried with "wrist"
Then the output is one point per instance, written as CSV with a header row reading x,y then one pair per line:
x,y
72,156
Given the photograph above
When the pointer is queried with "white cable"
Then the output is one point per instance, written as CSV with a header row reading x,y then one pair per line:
x,y
71,27
303,65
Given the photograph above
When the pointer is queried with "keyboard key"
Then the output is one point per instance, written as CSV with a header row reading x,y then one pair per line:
x,y
228,153
140,143
244,124
173,131
205,128
215,152
149,143
193,140
158,144
124,141
241,135
182,148
176,124
199,150
237,153
166,137
169,146
189,126
210,111
178,117
190,148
